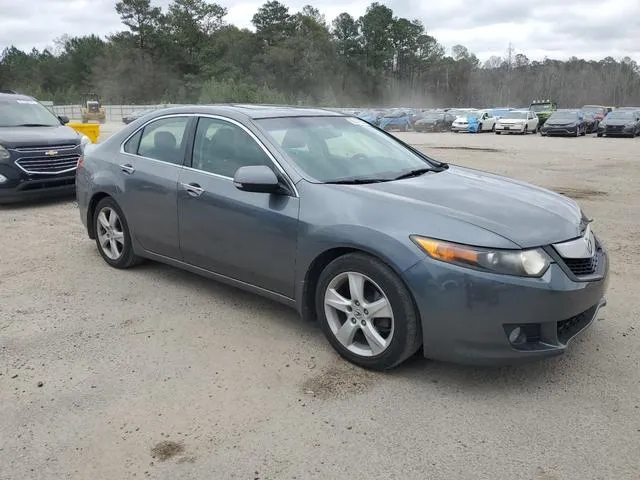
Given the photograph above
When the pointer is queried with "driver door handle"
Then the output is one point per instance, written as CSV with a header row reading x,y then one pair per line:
x,y
193,189
127,168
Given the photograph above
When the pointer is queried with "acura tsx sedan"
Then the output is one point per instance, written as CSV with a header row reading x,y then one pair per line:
x,y
391,251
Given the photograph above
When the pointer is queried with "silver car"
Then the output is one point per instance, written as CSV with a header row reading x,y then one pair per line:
x,y
390,250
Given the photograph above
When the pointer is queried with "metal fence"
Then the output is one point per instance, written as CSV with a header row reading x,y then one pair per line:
x,y
114,113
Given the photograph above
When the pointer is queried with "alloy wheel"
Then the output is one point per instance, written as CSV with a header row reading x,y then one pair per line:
x,y
359,314
110,233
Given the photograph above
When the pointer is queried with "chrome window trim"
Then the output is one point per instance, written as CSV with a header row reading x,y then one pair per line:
x,y
141,127
215,117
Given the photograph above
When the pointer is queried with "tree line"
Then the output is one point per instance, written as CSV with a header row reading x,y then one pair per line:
x,y
188,53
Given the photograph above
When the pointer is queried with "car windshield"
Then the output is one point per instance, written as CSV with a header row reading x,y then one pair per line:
x,y
515,116
24,112
540,107
568,116
433,116
337,149
621,115
593,110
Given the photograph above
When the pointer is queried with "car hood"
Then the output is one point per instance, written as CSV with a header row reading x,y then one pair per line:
x,y
527,215
13,137
561,122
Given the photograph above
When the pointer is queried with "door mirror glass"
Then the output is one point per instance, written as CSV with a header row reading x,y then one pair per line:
x,y
256,178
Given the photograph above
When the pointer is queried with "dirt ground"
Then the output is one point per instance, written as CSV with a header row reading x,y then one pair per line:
x,y
158,373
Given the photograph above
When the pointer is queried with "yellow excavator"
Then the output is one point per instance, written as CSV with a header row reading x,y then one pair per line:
x,y
92,109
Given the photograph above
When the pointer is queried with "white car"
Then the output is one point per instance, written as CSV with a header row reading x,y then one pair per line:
x,y
483,118
518,121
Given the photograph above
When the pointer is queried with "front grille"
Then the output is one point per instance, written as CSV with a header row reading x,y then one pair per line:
x,y
614,128
44,149
569,328
582,266
48,165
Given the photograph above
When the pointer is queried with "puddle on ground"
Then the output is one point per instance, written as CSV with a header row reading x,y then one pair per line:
x,y
166,449
579,193
339,380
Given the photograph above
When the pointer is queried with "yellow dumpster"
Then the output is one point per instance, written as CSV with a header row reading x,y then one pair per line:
x,y
91,130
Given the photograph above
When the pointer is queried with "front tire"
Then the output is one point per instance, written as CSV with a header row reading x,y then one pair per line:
x,y
366,312
112,235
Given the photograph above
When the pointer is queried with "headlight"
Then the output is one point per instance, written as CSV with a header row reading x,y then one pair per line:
x,y
4,155
84,141
522,263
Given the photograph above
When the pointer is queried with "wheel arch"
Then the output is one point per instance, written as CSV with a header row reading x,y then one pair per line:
x,y
320,262
93,203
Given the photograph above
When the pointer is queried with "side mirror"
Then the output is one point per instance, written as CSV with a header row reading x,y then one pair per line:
x,y
256,178
63,119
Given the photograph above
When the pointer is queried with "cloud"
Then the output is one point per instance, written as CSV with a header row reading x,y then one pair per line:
x,y
590,29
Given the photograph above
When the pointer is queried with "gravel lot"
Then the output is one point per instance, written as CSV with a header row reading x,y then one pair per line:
x,y
158,373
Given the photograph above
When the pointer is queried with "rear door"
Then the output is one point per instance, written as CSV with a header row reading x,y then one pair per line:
x,y
151,162
246,236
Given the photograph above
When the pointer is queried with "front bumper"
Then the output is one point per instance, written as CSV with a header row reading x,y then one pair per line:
x,y
461,128
467,315
550,130
20,187
510,128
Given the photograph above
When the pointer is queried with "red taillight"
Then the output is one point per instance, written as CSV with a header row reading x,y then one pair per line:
x,y
80,163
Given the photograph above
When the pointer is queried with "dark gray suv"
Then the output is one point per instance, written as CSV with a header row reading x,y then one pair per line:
x,y
390,250
38,153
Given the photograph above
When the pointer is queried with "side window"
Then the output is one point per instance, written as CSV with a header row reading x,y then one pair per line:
x,y
131,146
222,148
165,140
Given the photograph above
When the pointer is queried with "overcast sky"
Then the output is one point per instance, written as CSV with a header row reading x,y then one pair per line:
x,y
590,29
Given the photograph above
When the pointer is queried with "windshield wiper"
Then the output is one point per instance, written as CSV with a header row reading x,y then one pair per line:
x,y
35,125
414,173
358,181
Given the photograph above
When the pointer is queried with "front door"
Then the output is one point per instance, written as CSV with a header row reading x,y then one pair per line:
x,y
246,236
151,167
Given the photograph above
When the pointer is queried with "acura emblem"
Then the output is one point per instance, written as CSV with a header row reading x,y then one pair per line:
x,y
51,153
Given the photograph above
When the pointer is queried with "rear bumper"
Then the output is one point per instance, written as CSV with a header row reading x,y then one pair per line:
x,y
467,316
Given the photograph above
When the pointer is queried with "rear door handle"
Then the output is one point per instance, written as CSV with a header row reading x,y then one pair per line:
x,y
193,189
127,168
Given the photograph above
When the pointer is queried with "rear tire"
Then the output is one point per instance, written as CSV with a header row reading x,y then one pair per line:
x,y
113,238
348,289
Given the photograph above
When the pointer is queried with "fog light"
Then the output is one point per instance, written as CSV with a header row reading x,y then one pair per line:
x,y
3,179
515,335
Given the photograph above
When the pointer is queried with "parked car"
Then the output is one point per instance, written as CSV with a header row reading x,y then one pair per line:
x,y
543,109
620,122
517,121
591,121
434,122
565,122
598,111
399,121
371,116
133,116
353,228
474,122
38,152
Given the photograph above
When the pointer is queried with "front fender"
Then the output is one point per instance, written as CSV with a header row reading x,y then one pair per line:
x,y
315,242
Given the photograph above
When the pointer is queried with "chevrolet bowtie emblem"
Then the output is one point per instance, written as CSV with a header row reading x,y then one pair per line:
x,y
51,153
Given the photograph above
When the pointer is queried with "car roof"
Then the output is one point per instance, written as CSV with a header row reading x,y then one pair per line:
x,y
14,96
251,111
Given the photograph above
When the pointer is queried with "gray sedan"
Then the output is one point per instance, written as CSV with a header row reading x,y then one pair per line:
x,y
389,249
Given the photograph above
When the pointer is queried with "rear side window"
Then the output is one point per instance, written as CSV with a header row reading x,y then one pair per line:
x,y
131,145
164,140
